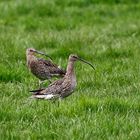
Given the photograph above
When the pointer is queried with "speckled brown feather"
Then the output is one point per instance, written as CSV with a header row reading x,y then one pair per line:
x,y
60,88
52,68
43,69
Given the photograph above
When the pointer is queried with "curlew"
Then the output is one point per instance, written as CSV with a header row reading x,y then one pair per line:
x,y
62,87
42,69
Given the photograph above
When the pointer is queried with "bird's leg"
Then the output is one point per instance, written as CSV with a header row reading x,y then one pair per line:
x,y
49,81
40,84
59,101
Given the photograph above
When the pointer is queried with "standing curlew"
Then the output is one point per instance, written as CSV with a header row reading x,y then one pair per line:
x,y
63,87
42,69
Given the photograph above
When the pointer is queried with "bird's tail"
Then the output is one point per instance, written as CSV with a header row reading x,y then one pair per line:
x,y
45,96
63,72
36,92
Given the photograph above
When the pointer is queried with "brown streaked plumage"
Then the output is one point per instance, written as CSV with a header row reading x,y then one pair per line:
x,y
42,69
63,87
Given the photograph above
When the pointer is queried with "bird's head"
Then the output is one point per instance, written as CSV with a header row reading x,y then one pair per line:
x,y
74,58
32,51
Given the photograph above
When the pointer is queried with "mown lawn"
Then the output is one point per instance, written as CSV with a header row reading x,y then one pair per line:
x,y
106,103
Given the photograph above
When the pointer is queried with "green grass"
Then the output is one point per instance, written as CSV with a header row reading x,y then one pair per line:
x,y
106,103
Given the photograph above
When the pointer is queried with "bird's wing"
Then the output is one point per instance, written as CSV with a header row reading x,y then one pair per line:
x,y
57,83
47,62
53,68
60,88
53,88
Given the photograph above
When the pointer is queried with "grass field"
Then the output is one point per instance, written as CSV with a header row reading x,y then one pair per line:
x,y
106,103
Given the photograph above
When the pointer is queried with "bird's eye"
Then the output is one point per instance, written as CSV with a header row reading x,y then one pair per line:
x,y
74,56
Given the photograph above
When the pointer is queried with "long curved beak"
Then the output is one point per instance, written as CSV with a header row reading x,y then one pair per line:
x,y
86,62
42,54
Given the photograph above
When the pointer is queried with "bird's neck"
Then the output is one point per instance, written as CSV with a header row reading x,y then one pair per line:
x,y
70,69
30,59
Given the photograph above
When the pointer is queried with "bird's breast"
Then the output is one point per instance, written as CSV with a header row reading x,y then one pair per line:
x,y
39,71
73,82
